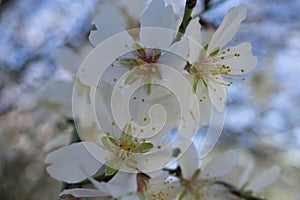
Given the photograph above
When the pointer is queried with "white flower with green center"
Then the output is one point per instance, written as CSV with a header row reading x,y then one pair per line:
x,y
260,181
122,150
208,65
197,183
154,186
154,46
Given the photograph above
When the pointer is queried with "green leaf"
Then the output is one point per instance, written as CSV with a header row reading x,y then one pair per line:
x,y
131,78
214,52
144,147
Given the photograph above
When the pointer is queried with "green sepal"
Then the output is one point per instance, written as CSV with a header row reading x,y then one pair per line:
x,y
148,88
127,133
128,62
182,195
214,52
144,147
132,164
205,47
156,53
110,171
204,84
140,196
139,49
108,143
195,83
196,173
131,78
157,74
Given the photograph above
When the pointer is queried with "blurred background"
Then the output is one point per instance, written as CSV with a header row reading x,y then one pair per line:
x,y
42,43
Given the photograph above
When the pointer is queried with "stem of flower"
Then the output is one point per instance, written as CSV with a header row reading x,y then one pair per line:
x,y
187,16
237,192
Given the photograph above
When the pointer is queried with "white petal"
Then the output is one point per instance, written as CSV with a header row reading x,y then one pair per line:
x,y
194,34
246,173
217,92
156,37
82,192
157,15
107,51
121,184
134,7
103,106
264,179
130,197
213,133
188,162
221,165
105,28
149,162
176,55
204,105
245,63
72,163
228,27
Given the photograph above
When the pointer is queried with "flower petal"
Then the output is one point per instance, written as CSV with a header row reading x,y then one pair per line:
x,y
165,18
73,163
105,29
264,179
84,192
149,37
176,55
121,184
152,161
204,104
134,7
221,165
195,39
241,64
228,27
213,133
188,161
217,92
161,24
107,51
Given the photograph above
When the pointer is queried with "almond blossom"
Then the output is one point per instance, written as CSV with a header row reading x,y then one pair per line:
x,y
148,50
208,64
197,181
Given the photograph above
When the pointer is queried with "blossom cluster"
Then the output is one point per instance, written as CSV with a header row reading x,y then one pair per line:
x,y
139,100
